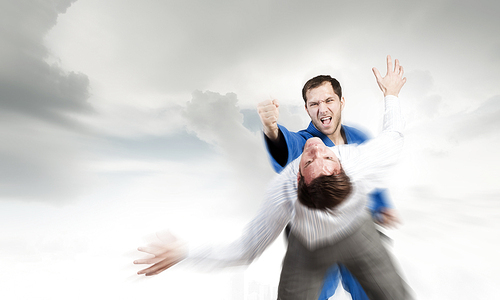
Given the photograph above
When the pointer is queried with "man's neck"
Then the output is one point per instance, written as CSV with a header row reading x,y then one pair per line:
x,y
338,137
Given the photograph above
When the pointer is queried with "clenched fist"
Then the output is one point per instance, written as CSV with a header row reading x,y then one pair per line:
x,y
269,113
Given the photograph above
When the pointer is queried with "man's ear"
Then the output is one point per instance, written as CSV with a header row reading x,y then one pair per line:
x,y
342,103
298,177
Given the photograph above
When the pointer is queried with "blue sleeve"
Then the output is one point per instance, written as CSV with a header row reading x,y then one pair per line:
x,y
355,136
378,202
294,144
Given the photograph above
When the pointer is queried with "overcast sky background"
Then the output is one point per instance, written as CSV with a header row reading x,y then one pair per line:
x,y
122,118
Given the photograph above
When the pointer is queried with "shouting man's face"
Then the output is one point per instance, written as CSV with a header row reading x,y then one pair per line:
x,y
325,108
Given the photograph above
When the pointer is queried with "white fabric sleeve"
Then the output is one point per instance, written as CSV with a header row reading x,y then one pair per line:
x,y
274,214
372,160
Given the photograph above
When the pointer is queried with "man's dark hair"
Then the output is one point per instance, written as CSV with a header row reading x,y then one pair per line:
x,y
324,192
319,80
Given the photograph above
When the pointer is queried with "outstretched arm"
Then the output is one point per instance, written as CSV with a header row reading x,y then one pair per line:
x,y
275,213
382,152
390,85
393,81
282,145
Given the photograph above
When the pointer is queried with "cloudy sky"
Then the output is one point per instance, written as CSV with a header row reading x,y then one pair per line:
x,y
122,118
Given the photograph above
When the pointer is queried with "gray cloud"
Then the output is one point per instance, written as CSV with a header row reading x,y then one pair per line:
x,y
217,119
180,47
425,103
39,162
45,163
180,146
251,120
39,156
213,37
481,122
28,84
294,118
441,136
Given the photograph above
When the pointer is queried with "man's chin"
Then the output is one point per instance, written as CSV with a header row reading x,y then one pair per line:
x,y
313,141
322,128
326,130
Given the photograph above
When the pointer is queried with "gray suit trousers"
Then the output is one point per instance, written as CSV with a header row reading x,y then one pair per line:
x,y
361,252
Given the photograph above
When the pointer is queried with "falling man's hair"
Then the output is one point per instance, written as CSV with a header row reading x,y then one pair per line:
x,y
324,192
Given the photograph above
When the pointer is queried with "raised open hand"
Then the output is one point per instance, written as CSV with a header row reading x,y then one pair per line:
x,y
393,81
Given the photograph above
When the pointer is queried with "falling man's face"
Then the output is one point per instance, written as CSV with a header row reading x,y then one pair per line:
x,y
317,160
